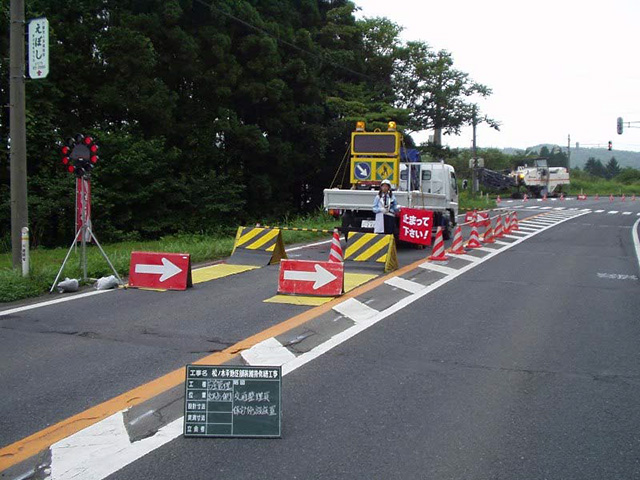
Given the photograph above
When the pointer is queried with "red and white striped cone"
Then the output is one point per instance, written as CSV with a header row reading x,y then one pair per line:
x,y
514,222
507,223
597,197
498,200
474,240
562,196
457,247
498,232
488,235
438,254
335,254
544,197
633,197
611,198
525,198
624,198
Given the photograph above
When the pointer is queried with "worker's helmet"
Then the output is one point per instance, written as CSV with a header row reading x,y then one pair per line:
x,y
387,182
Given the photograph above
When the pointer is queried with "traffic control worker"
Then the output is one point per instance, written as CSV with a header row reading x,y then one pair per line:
x,y
385,206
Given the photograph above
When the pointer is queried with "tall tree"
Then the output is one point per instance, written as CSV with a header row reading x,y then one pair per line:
x,y
613,168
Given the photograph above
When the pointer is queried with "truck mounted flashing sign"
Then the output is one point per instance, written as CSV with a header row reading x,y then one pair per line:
x,y
375,156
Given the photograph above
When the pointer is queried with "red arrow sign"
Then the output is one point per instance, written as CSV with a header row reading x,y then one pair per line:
x,y
170,271
308,277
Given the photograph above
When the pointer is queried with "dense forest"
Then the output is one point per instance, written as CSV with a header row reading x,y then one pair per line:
x,y
213,113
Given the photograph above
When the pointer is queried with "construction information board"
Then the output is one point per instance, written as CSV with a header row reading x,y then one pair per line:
x,y
232,401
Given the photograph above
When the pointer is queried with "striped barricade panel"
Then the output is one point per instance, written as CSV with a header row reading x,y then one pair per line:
x,y
258,246
372,248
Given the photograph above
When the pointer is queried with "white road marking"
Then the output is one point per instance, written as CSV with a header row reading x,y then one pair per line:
x,y
527,229
500,242
468,258
438,268
626,213
617,276
268,352
545,208
356,310
53,302
599,211
636,242
514,236
560,208
104,448
404,284
302,247
610,212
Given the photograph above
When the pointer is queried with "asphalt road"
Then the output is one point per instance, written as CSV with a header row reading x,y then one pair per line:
x,y
525,367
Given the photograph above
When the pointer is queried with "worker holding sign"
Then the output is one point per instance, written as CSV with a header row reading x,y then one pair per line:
x,y
385,206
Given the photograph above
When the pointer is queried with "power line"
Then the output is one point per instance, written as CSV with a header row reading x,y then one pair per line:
x,y
284,42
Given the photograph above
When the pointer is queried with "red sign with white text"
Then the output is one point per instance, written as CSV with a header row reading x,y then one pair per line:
x,y
416,226
309,277
167,271
83,194
582,197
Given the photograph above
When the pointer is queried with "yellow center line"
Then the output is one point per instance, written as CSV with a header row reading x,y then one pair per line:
x,y
27,447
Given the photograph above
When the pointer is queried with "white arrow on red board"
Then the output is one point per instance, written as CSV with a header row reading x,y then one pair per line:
x,y
321,276
167,270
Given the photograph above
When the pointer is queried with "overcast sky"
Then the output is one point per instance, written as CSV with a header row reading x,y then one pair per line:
x,y
556,67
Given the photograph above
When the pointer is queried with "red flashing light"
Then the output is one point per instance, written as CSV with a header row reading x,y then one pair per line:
x,y
65,160
71,168
88,140
94,148
65,150
94,159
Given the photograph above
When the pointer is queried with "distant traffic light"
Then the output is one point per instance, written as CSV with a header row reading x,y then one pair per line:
x,y
610,146
619,125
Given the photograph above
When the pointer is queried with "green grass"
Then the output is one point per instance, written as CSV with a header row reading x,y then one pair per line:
x,y
45,263
467,202
593,186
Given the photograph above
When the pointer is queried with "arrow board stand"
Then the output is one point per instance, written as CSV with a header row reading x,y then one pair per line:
x,y
309,277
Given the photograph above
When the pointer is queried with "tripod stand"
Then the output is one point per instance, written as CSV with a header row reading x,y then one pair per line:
x,y
85,233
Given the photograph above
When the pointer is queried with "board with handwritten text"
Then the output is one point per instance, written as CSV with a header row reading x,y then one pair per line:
x,y
232,401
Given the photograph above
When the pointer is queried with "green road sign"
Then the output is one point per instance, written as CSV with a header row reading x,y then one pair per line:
x,y
232,401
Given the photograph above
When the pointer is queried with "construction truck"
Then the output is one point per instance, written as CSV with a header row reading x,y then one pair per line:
x,y
378,156
536,181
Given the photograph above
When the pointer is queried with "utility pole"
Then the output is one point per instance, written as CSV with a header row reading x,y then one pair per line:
x,y
17,131
474,171
568,152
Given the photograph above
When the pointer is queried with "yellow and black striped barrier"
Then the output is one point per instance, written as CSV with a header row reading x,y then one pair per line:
x,y
372,247
258,246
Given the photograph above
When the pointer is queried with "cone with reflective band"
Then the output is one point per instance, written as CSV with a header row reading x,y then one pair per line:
x,y
457,247
438,254
611,198
498,200
474,241
335,254
507,223
623,197
498,232
525,198
633,197
562,196
544,197
597,197
514,222
488,235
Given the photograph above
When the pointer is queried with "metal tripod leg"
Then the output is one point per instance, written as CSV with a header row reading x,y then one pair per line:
x,y
105,256
64,262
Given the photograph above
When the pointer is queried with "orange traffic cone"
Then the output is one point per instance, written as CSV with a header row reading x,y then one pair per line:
x,y
623,197
498,233
498,199
488,235
597,197
514,222
562,196
438,254
633,197
507,223
335,254
611,197
544,197
525,198
474,240
457,247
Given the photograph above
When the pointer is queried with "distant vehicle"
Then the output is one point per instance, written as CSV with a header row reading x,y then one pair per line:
x,y
535,181
377,156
